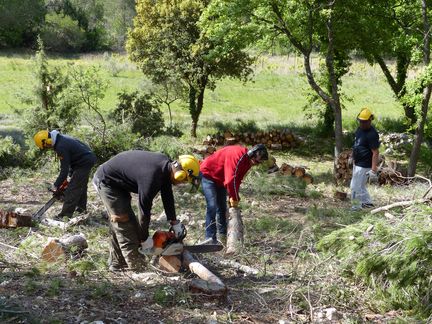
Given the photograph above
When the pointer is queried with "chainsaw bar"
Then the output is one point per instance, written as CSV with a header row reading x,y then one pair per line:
x,y
38,215
204,248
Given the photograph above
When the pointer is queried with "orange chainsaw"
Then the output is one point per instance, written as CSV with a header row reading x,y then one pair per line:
x,y
56,196
166,243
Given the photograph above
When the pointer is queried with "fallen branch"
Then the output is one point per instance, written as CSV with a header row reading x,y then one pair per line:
x,y
239,266
210,283
398,204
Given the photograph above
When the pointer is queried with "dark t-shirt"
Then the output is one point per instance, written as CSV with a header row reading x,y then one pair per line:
x,y
144,173
365,141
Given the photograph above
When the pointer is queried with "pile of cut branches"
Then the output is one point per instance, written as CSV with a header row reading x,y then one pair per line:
x,y
391,254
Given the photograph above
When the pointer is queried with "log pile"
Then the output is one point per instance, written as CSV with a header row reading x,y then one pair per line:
x,y
13,219
343,168
389,172
273,139
295,171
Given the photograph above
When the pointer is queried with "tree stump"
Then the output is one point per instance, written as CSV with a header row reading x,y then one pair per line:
x,y
60,249
235,231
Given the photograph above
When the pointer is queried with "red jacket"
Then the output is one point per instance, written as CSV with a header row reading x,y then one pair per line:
x,y
227,168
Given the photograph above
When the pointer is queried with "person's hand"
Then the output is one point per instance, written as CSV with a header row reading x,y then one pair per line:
x,y
146,247
372,176
178,228
233,203
52,188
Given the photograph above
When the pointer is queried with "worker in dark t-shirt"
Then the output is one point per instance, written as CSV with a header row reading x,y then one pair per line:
x,y
365,157
147,174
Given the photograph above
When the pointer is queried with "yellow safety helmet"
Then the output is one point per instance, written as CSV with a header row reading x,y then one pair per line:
x,y
189,168
42,139
365,114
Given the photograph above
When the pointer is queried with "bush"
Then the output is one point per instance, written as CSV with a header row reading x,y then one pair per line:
x,y
11,154
168,146
118,138
62,34
141,112
391,256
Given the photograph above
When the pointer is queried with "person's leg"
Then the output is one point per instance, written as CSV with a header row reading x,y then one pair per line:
x,y
221,212
359,193
209,190
123,226
365,197
75,194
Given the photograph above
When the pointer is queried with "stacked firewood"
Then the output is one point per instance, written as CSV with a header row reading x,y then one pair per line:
x,y
343,168
273,139
389,173
296,171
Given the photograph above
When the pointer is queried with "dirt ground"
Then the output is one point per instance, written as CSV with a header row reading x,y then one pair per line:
x,y
295,283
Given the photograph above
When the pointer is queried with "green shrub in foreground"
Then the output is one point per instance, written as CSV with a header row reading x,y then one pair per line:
x,y
392,257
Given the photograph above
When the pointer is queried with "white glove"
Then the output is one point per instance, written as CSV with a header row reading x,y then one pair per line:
x,y
372,176
146,247
52,188
179,229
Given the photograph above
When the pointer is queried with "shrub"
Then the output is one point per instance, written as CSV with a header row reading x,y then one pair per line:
x,y
11,154
118,138
141,111
62,34
391,256
168,146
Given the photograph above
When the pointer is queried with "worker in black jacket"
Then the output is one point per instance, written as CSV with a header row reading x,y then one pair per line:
x,y
147,174
76,160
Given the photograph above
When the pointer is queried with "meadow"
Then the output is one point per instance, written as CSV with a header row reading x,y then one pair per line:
x,y
276,94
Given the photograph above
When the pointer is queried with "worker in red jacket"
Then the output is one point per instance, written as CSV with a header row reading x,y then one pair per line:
x,y
223,172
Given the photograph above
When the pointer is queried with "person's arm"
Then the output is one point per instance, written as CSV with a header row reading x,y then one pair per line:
x,y
375,158
64,157
168,202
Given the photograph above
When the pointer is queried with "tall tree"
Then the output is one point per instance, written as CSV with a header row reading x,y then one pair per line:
x,y
20,21
167,42
306,25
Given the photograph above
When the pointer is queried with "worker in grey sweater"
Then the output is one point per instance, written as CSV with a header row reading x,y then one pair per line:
x,y
76,161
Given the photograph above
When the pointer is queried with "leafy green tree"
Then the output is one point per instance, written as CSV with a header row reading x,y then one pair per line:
x,y
167,43
20,21
141,112
304,25
52,105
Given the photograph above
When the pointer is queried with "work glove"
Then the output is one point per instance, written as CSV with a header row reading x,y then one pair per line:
x,y
233,203
52,188
146,247
372,176
179,229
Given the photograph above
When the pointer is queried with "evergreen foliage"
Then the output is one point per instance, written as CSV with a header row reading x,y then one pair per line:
x,y
391,256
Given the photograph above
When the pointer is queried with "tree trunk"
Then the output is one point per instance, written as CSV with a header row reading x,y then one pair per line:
x,y
335,103
426,94
196,104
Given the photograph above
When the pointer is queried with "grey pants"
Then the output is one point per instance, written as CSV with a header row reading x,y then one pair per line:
x,y
124,229
75,195
359,192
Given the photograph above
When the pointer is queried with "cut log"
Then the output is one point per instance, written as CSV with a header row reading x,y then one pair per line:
x,y
341,195
170,263
299,172
210,283
59,249
11,219
234,231
308,178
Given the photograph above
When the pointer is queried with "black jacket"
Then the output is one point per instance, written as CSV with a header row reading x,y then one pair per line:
x,y
144,173
73,154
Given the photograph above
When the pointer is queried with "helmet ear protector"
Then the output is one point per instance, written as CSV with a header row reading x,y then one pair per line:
x,y
259,151
179,173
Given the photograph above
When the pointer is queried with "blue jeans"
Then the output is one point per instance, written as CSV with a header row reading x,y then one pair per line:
x,y
216,206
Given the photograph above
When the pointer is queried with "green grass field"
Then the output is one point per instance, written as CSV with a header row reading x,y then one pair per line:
x,y
275,96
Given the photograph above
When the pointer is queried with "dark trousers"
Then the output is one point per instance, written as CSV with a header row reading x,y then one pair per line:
x,y
216,208
125,235
75,195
